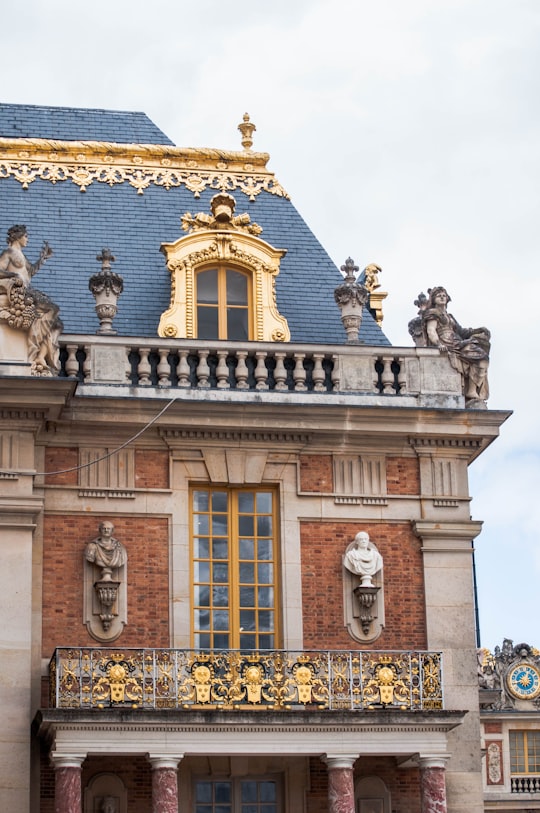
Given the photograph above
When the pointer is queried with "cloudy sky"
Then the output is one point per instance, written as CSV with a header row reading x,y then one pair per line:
x,y
407,134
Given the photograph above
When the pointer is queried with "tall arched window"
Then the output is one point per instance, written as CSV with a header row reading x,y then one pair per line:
x,y
223,296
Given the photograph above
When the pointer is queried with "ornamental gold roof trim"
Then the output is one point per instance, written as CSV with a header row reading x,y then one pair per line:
x,y
139,165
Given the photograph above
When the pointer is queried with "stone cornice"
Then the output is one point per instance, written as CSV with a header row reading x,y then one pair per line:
x,y
139,165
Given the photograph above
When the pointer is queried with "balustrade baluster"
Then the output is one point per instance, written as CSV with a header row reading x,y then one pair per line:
x,y
318,373
87,366
387,377
402,376
241,371
222,371
261,373
336,377
203,370
299,372
183,370
280,373
143,368
163,369
72,365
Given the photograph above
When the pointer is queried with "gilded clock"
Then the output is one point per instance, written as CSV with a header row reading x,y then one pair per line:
x,y
524,681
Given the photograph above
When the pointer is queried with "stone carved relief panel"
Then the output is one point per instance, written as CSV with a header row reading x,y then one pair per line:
x,y
99,472
360,479
494,764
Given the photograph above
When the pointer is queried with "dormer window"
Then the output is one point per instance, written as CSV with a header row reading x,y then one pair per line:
x,y
223,296
223,280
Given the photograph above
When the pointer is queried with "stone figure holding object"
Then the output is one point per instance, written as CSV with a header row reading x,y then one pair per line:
x,y
23,307
363,559
467,348
105,550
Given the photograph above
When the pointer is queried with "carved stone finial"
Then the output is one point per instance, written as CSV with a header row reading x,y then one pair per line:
x,y
106,286
247,128
351,296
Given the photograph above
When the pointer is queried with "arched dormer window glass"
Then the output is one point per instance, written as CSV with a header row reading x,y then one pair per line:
x,y
223,280
223,297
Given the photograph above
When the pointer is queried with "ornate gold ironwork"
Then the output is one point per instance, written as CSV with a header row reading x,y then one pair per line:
x,y
274,680
140,165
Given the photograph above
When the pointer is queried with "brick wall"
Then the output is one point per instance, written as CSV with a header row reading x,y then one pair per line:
x,y
402,475
316,473
58,458
323,545
147,542
151,469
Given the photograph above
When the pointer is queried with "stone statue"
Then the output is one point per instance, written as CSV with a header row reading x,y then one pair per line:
x,y
108,805
105,551
467,348
363,559
26,308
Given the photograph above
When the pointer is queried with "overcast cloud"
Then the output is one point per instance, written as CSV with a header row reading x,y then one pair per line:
x,y
407,134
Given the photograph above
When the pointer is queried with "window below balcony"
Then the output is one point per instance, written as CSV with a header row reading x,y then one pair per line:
x,y
237,796
234,557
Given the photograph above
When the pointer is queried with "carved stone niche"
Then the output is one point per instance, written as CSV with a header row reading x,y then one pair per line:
x,y
105,585
105,793
363,596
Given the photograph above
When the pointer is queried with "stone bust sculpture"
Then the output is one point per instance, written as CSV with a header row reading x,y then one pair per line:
x,y
105,550
108,805
363,559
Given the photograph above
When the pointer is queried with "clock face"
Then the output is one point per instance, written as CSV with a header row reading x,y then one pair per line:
x,y
524,681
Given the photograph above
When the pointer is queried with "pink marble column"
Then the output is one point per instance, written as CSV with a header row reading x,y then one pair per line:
x,y
433,784
164,783
340,784
67,783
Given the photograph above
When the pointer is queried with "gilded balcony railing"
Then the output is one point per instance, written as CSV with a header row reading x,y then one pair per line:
x,y
270,680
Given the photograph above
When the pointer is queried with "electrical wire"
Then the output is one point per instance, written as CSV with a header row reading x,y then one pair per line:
x,y
109,454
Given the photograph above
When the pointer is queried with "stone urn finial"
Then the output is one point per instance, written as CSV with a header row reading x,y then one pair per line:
x,y
106,286
351,296
247,128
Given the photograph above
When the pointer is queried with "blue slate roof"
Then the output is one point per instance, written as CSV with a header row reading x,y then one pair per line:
x,y
79,225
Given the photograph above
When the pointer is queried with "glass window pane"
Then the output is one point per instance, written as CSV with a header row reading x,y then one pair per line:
x,y
202,641
221,620
247,549
266,621
203,792
202,596
264,549
247,597
249,641
207,287
245,526
201,572
200,500
222,791
237,288
202,619
200,524
246,502
219,501
220,596
264,502
221,641
249,792
265,596
247,620
237,324
266,573
264,526
207,323
247,573
219,524
200,548
267,791
220,573
220,549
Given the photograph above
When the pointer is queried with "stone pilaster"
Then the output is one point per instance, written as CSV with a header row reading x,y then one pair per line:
x,y
164,783
67,783
340,783
432,785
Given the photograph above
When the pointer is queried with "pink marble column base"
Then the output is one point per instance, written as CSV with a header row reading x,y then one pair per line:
x,y
67,790
340,786
433,789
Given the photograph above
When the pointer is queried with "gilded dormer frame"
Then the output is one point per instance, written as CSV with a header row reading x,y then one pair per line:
x,y
222,239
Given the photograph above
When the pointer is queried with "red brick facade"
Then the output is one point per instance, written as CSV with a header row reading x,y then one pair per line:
x,y
323,545
151,469
316,473
59,458
147,542
402,475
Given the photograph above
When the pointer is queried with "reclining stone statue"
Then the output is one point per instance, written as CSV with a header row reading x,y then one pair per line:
x,y
24,308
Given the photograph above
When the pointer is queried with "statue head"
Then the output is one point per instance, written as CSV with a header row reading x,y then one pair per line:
x,y
438,293
16,233
361,539
106,528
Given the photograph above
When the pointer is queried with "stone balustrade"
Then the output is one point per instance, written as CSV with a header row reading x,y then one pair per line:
x,y
525,784
412,373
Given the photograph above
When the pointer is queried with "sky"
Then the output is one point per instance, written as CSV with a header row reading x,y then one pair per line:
x,y
406,133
